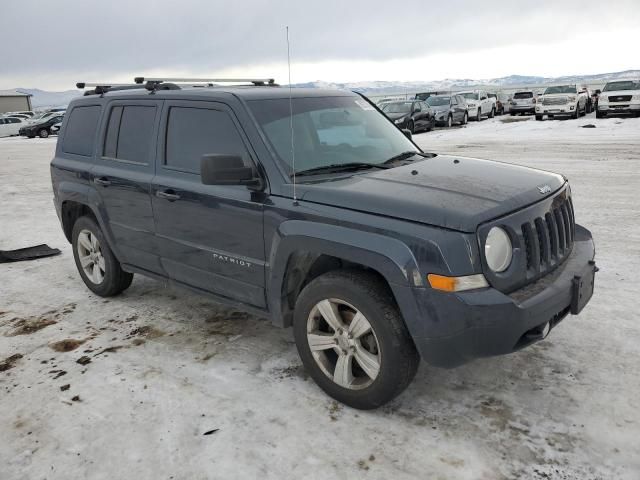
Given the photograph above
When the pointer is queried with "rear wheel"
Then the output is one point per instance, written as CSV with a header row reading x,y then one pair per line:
x,y
98,267
352,339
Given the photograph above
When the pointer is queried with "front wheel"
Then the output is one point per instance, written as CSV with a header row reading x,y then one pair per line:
x,y
539,117
492,113
449,121
479,115
352,339
43,133
411,127
465,119
600,114
98,267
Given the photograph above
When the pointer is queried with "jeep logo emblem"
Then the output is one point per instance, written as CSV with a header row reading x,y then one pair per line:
x,y
544,189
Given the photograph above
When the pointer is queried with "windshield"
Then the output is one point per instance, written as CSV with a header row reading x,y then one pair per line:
x,y
521,95
470,96
437,101
625,85
328,131
397,107
561,89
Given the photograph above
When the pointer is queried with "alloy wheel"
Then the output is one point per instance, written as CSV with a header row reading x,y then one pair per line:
x,y
90,256
343,344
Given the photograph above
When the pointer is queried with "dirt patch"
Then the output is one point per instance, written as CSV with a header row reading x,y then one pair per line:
x,y
146,331
27,326
514,119
67,345
9,362
84,360
290,372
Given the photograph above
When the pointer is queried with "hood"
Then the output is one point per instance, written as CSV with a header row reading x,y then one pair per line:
x,y
395,116
615,93
458,193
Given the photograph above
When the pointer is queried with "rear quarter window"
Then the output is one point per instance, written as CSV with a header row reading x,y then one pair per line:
x,y
81,129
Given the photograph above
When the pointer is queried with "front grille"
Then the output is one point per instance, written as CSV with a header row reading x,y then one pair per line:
x,y
620,98
548,240
554,100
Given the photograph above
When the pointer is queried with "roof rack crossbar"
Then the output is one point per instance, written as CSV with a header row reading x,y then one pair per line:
x,y
255,81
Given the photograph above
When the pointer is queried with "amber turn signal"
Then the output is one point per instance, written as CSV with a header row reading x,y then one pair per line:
x,y
456,284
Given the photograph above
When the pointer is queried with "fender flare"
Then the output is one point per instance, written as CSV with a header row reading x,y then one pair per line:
x,y
390,257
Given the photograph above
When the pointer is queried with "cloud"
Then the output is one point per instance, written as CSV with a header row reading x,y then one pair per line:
x,y
117,38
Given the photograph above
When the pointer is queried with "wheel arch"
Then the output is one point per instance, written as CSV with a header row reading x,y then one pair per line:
x,y
306,250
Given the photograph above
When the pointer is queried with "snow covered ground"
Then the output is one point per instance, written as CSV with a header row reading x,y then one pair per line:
x,y
158,383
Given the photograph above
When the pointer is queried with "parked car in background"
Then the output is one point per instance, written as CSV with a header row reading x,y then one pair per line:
x,y
594,99
10,126
561,100
412,115
502,102
449,109
621,96
584,90
479,104
41,128
25,113
523,102
44,116
18,115
55,129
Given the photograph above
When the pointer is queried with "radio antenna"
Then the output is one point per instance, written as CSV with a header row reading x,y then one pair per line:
x,y
293,150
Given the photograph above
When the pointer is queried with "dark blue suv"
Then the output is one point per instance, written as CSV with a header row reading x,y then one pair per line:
x,y
314,210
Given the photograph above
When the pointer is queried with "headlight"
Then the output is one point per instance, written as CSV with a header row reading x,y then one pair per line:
x,y
603,99
498,250
398,120
635,97
571,98
472,105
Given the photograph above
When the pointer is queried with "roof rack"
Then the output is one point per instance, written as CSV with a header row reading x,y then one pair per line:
x,y
210,81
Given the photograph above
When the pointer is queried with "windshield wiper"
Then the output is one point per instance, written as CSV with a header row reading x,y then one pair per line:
x,y
338,167
402,156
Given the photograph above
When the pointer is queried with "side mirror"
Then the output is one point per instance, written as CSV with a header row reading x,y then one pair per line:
x,y
407,133
220,169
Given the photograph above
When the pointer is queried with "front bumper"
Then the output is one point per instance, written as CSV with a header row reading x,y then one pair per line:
x,y
452,329
622,107
522,108
566,109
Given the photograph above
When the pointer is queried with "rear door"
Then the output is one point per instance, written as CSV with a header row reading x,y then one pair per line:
x,y
211,236
122,177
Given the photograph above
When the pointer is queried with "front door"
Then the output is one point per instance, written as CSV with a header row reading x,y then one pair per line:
x,y
211,236
122,177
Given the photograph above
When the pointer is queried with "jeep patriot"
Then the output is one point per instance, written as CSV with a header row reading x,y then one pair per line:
x,y
314,210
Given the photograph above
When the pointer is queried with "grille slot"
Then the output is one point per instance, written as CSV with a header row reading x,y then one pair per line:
x,y
554,100
548,240
620,98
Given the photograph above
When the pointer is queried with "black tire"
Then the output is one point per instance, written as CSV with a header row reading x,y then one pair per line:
x,y
576,114
115,279
539,117
492,113
369,295
31,136
600,114
465,118
411,127
479,115
449,121
43,133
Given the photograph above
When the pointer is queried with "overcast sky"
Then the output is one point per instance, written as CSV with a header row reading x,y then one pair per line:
x,y
51,44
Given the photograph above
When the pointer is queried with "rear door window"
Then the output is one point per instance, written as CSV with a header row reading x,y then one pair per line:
x,y
129,133
81,130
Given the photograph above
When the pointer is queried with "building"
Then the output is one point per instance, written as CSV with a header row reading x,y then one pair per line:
x,y
14,101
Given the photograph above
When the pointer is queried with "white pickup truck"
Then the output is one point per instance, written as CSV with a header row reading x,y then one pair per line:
x,y
479,104
561,100
622,96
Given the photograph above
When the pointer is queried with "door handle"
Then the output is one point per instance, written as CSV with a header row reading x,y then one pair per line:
x,y
168,195
105,182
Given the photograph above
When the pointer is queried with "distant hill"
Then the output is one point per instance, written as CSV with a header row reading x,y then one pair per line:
x,y
44,99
